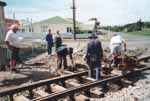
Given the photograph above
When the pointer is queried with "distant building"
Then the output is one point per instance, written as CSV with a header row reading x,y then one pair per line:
x,y
25,26
65,25
54,23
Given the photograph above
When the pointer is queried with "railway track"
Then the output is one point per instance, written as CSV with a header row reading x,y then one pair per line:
x,y
75,86
70,87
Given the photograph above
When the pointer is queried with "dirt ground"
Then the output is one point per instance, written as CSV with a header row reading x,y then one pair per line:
x,y
39,71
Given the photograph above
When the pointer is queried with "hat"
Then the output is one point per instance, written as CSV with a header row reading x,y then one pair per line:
x,y
93,36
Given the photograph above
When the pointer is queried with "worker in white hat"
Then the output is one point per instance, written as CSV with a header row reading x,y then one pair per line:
x,y
11,40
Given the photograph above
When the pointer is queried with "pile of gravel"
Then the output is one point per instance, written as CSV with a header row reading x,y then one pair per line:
x,y
139,92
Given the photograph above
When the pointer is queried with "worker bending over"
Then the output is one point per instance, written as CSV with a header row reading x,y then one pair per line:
x,y
116,44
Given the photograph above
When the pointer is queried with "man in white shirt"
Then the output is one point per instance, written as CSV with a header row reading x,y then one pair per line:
x,y
116,47
11,42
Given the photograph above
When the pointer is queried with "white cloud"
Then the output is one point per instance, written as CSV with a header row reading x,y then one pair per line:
x,y
112,12
109,12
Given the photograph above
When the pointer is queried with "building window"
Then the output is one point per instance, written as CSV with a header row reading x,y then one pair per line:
x,y
22,30
69,29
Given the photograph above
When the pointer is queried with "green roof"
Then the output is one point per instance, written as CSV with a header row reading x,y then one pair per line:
x,y
57,20
71,20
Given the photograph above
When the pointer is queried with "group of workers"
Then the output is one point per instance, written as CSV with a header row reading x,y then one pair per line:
x,y
94,50
94,53
61,49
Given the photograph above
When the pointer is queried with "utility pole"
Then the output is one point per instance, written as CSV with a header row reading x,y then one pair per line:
x,y
30,28
74,19
14,17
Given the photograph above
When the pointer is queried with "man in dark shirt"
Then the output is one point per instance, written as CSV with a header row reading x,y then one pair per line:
x,y
94,56
49,39
61,51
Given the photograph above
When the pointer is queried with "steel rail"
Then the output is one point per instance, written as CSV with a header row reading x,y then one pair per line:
x,y
72,91
35,85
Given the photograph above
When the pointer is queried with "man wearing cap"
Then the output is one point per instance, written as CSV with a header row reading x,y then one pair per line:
x,y
11,42
116,43
94,55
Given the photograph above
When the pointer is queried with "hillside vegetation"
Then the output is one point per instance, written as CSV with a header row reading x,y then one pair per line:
x,y
138,28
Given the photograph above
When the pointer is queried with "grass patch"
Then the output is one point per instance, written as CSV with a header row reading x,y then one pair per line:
x,y
104,37
145,32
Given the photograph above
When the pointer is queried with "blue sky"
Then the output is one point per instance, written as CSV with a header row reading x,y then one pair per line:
x,y
109,12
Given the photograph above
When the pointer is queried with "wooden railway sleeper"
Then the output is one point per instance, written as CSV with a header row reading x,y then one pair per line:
x,y
48,88
11,97
31,95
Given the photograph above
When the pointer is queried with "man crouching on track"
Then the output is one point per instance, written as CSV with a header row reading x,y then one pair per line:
x,y
116,48
11,42
94,56
62,52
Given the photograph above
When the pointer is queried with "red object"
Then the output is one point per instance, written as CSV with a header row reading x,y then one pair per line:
x,y
12,64
10,22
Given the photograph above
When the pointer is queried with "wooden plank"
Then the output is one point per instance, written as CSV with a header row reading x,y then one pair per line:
x,y
117,72
21,98
96,92
56,88
72,83
113,87
40,93
87,79
126,82
81,98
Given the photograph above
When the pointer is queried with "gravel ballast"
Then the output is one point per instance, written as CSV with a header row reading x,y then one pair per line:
x,y
139,92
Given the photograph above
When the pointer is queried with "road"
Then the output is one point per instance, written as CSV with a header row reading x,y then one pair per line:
x,y
133,42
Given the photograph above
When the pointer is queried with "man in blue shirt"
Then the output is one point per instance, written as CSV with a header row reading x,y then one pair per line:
x,y
49,39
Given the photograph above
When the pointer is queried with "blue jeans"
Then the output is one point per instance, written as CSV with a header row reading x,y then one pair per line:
x,y
93,66
49,49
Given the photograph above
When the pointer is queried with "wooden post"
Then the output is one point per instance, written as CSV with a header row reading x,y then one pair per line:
x,y
3,53
74,19
2,22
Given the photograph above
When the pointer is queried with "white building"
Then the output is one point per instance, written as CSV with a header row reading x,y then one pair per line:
x,y
54,23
